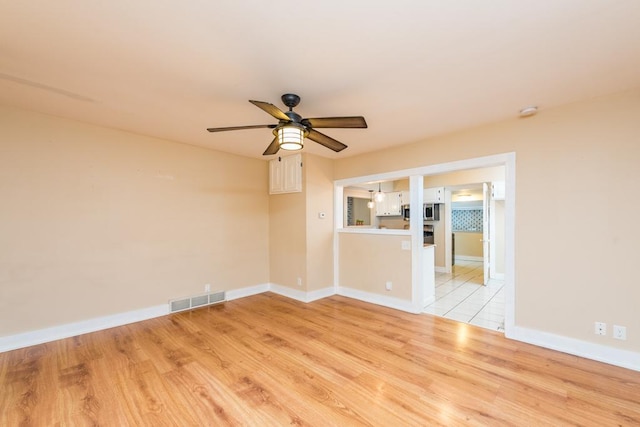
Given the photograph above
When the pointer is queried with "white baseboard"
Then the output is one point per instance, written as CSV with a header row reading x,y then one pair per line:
x,y
396,303
26,339
468,258
302,296
247,292
440,269
601,353
321,293
497,276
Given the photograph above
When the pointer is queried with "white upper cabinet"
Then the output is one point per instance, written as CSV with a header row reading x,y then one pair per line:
x,y
391,205
285,174
405,198
434,195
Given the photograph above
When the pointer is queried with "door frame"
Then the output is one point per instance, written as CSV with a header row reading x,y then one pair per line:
x,y
486,241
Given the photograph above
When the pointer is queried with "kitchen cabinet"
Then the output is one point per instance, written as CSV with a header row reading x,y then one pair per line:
x,y
434,195
285,174
391,205
405,198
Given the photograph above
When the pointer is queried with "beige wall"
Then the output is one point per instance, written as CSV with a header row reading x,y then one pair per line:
x,y
301,243
392,222
361,212
360,194
379,258
468,244
96,221
567,159
319,173
471,176
287,239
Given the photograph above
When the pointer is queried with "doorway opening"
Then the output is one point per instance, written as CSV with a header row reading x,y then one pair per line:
x,y
469,288
422,178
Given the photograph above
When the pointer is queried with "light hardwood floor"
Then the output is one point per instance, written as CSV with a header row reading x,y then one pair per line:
x,y
268,360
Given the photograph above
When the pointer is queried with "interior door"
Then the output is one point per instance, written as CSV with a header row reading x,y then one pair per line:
x,y
485,231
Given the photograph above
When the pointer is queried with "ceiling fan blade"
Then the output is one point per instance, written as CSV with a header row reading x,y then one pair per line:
x,y
325,140
272,148
240,128
336,122
271,109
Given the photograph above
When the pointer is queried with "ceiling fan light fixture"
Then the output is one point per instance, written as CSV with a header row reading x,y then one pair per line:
x,y
291,137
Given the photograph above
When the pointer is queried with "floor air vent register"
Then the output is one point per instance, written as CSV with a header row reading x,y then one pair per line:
x,y
196,301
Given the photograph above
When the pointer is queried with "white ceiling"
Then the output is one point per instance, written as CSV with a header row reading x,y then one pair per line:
x,y
413,68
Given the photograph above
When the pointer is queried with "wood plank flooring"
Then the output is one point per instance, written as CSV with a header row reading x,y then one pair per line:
x,y
267,360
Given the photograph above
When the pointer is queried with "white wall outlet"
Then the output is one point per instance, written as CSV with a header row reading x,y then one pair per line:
x,y
406,245
620,332
600,328
389,286
299,281
207,287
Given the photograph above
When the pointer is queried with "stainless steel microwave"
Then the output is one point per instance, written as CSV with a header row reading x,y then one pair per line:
x,y
431,212
406,212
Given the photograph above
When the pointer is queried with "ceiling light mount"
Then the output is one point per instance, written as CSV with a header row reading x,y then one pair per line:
x,y
291,100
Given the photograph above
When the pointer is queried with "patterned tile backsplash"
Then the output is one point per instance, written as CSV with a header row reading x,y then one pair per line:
x,y
466,220
350,219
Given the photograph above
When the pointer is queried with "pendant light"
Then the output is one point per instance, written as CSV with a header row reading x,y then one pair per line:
x,y
379,195
371,203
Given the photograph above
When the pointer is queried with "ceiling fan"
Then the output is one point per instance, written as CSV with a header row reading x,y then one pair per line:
x,y
292,128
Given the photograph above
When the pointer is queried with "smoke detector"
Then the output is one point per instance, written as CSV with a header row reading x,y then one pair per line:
x,y
529,111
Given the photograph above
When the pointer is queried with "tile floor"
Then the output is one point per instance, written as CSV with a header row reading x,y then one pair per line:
x,y
461,296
